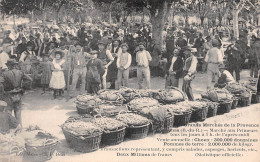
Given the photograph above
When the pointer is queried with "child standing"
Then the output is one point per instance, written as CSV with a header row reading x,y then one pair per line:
x,y
96,70
45,66
57,82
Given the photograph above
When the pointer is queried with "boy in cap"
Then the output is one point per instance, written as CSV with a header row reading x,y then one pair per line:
x,y
143,58
189,72
225,77
123,63
95,72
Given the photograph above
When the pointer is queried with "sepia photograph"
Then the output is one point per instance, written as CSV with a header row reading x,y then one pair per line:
x,y
129,80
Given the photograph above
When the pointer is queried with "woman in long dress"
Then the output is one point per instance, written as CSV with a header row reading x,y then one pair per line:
x,y
57,82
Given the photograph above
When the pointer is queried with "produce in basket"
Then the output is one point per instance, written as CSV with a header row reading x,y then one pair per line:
x,y
197,104
250,87
132,119
235,88
129,93
108,124
179,108
156,113
110,95
87,100
81,128
109,110
217,95
170,95
139,103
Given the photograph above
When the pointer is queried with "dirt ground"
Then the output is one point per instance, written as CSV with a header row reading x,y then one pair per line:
x,y
40,109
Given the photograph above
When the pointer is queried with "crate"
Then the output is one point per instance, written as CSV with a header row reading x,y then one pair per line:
x,y
168,124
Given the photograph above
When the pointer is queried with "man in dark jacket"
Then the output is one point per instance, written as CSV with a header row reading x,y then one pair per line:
x,y
96,70
174,69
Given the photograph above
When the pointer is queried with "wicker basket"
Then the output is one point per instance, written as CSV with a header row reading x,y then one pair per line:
x,y
212,110
42,153
244,101
182,120
137,132
15,154
255,98
199,114
81,143
83,109
113,137
234,103
168,124
224,107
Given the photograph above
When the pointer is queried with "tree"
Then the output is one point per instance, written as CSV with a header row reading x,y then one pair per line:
x,y
202,8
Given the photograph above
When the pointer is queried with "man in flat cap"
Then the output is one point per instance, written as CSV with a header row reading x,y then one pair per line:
x,y
189,72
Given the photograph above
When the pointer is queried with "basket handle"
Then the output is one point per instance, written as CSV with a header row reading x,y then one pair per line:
x,y
98,115
49,141
122,112
14,149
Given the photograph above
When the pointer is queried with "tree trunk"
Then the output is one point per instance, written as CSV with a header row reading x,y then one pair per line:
x,y
158,20
202,20
186,20
258,14
110,13
171,16
235,23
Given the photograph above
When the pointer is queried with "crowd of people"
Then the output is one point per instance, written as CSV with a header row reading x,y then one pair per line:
x,y
92,56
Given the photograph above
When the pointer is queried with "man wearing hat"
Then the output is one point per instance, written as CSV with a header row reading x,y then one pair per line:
x,y
123,63
13,88
116,50
27,56
7,39
95,72
106,57
143,58
79,68
213,59
189,72
225,77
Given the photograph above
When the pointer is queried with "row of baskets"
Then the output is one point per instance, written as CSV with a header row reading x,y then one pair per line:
x,y
163,115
